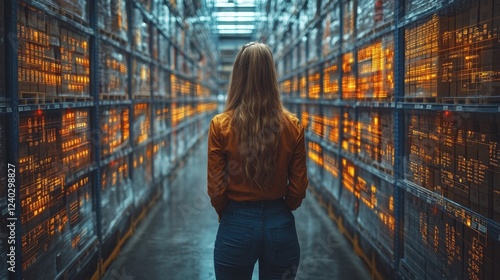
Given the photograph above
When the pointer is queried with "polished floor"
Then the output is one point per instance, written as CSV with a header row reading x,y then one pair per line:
x,y
176,239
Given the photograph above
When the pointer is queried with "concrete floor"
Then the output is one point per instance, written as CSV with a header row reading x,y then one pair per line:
x,y
176,239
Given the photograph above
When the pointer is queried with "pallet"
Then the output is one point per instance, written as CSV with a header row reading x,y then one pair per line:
x,y
57,9
426,99
74,98
113,36
26,97
110,96
470,100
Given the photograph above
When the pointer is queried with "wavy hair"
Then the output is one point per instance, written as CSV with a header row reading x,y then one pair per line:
x,y
257,112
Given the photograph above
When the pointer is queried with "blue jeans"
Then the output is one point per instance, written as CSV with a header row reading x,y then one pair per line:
x,y
251,231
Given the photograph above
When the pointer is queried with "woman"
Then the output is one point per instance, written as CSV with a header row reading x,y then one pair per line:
x,y
256,173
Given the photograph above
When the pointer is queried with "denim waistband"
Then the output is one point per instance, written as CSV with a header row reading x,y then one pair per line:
x,y
259,203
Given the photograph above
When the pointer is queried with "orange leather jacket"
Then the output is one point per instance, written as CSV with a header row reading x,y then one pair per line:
x,y
224,176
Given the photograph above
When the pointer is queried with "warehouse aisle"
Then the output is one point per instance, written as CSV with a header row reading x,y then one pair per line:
x,y
175,241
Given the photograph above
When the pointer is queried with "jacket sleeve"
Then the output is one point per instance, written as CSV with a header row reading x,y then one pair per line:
x,y
297,174
216,182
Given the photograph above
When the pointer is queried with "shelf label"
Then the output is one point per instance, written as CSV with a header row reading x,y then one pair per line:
x,y
460,108
21,109
419,106
445,107
9,110
428,107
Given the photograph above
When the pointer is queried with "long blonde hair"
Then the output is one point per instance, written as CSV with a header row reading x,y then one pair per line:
x,y
257,112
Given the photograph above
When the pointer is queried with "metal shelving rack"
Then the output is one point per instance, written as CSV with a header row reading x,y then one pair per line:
x,y
399,260
94,256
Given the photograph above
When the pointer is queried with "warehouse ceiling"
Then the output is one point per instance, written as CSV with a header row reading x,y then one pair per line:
x,y
235,25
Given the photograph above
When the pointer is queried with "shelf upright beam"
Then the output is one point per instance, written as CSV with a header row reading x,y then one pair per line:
x,y
12,123
130,73
340,94
95,114
399,64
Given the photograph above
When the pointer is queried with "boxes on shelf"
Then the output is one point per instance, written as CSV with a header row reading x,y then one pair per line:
x,y
75,64
422,60
317,121
140,32
314,83
455,154
315,156
331,32
313,43
160,83
331,81
331,173
377,139
56,213
114,131
142,123
416,7
376,210
373,15
39,62
142,172
141,79
113,69
161,157
349,76
351,140
104,14
375,70
349,198
116,192
348,24
75,141
161,122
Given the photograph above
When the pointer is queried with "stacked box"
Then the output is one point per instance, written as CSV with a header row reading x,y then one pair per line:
x,y
332,125
423,153
349,198
161,121
373,15
142,172
140,33
164,50
114,130
377,139
348,24
161,157
331,32
331,173
119,20
142,123
113,70
141,79
315,156
56,213
314,84
331,80
75,141
421,59
376,210
349,76
415,7
375,70
116,193
75,64
351,137
317,122
455,154
39,72
303,86
104,14
313,43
